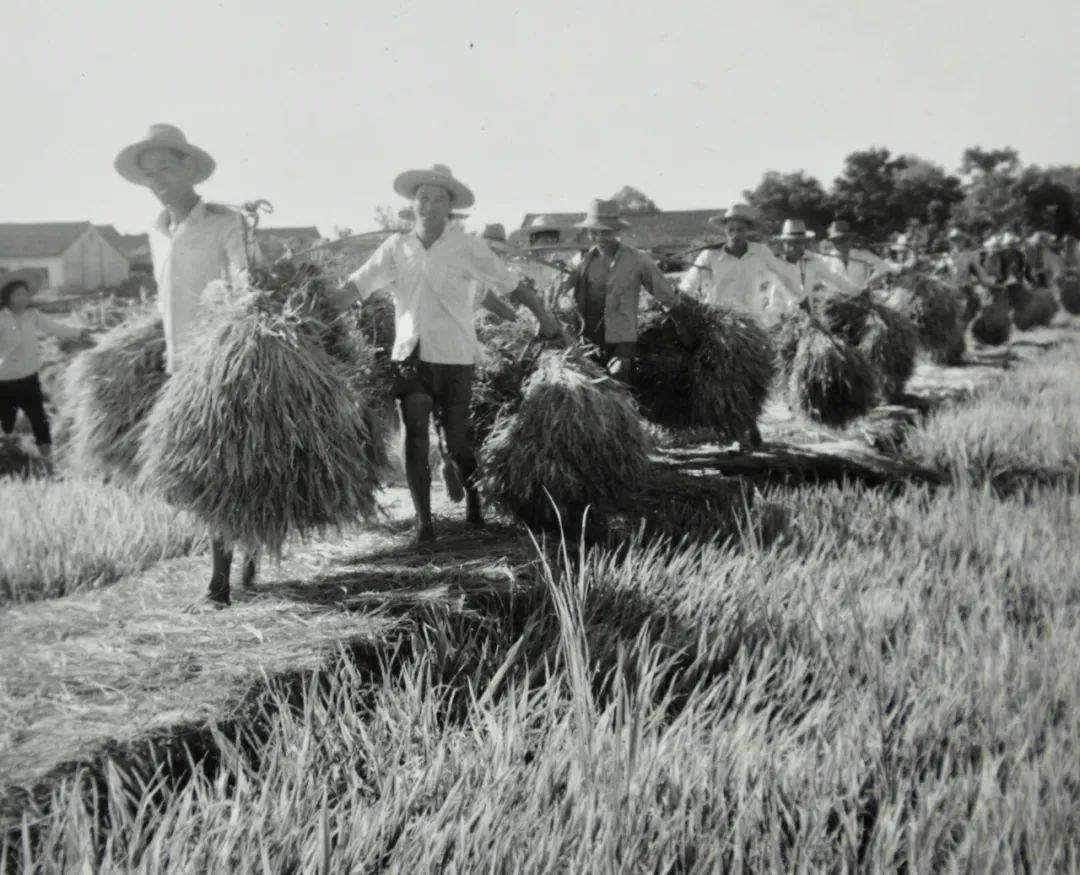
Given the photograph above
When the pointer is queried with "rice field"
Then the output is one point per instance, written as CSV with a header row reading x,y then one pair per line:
x,y
885,681
890,684
58,537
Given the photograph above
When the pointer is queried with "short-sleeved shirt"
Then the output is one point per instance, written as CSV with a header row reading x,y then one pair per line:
x,y
208,245
434,290
20,353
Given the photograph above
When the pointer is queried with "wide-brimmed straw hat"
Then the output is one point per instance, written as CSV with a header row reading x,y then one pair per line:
x,y
603,216
408,182
31,277
739,211
162,137
795,229
538,224
839,228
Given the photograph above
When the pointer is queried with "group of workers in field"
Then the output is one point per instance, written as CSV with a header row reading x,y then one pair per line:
x,y
437,274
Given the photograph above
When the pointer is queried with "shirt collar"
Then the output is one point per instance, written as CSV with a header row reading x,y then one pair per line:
x,y
164,219
447,233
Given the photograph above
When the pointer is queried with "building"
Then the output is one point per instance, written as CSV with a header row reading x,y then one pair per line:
x,y
662,232
134,247
75,255
275,242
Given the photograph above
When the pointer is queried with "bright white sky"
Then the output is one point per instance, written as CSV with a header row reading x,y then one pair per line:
x,y
317,105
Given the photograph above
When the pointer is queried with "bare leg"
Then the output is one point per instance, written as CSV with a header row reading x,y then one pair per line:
x,y
219,578
455,420
415,416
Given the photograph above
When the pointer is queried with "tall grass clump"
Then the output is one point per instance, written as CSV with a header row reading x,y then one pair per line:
x,y
891,687
1021,430
59,537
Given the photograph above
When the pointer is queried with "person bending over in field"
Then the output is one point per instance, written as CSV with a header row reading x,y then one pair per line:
x,y
434,270
20,357
192,243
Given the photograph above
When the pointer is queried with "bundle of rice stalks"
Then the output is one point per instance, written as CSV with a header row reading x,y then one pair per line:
x,y
889,342
845,316
702,366
785,335
1039,310
509,354
831,381
1069,291
688,507
993,325
935,311
575,441
1018,294
270,429
969,299
109,391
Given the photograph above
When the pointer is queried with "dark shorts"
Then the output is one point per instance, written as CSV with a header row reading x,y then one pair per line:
x,y
446,385
24,394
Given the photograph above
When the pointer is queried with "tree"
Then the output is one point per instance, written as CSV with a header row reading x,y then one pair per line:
x,y
1044,202
925,194
977,160
865,192
781,196
630,200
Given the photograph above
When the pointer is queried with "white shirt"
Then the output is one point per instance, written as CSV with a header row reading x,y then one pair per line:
x,y
718,277
19,353
434,290
208,245
859,267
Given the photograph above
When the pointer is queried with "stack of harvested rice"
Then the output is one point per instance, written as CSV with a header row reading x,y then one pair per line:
x,y
993,325
936,313
573,442
1069,291
830,380
701,366
969,300
109,391
509,351
271,427
889,341
1040,309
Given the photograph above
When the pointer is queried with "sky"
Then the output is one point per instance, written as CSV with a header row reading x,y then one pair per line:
x,y
317,106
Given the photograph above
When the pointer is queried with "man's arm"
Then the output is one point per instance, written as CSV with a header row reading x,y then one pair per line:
x,y
376,273
817,270
696,279
656,284
780,271
488,268
494,304
48,325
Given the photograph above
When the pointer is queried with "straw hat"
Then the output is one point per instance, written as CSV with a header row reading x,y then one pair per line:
x,y
408,182
494,232
795,229
522,236
162,137
739,211
31,277
1041,238
603,216
839,228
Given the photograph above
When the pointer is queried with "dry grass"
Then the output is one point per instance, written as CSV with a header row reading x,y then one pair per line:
x,y
59,537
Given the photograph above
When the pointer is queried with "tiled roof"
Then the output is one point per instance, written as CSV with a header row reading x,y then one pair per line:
x,y
40,239
666,229
125,244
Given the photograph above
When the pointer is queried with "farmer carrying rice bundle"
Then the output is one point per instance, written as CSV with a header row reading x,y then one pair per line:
x,y
810,271
432,269
192,243
858,266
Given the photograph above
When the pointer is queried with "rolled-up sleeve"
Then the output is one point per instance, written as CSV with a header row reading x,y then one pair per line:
x,y
377,272
695,279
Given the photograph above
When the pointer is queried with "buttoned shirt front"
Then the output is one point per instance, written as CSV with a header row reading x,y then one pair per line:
x,y
611,286
718,276
20,354
434,291
207,245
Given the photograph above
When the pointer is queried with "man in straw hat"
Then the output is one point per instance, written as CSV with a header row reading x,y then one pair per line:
x,y
807,269
735,274
857,266
192,243
432,269
606,281
961,264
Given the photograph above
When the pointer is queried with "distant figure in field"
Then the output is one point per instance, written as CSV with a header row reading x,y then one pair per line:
x,y
20,357
192,243
858,266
